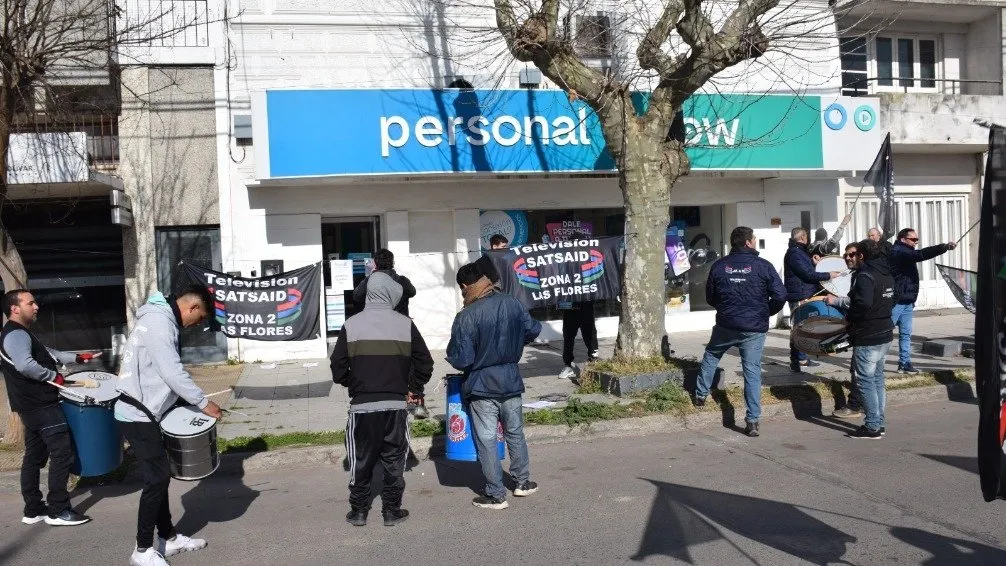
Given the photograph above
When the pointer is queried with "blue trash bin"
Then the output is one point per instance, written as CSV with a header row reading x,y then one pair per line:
x,y
460,444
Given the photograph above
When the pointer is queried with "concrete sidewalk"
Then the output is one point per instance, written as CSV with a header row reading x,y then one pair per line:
x,y
300,396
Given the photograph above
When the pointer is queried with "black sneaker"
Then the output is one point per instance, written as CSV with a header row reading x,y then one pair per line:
x,y
908,369
67,518
883,431
751,429
525,489
486,502
698,401
394,516
357,517
794,367
865,433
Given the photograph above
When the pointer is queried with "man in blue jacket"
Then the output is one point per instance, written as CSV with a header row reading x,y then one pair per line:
x,y
745,290
903,260
802,283
487,340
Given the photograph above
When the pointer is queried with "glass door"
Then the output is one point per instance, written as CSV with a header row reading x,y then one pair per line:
x,y
353,239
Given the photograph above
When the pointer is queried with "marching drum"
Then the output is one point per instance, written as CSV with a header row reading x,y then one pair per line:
x,y
97,441
191,439
819,329
840,285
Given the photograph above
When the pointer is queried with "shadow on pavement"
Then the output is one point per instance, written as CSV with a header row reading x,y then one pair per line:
x,y
946,550
462,474
682,517
218,500
284,392
966,463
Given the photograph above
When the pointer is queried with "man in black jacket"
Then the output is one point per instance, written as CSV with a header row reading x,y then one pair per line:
x,y
383,360
854,407
30,370
384,262
904,259
802,282
871,331
745,290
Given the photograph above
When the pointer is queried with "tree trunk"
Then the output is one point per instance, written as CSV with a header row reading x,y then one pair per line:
x,y
645,182
12,270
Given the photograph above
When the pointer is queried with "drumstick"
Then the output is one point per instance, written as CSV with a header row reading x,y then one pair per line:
x,y
235,412
85,398
218,393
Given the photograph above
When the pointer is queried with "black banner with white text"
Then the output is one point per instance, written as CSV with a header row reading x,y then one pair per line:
x,y
547,274
276,308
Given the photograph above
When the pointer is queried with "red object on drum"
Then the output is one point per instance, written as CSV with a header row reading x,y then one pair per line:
x,y
59,379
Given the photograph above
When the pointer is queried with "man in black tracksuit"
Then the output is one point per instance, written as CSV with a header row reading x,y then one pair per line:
x,y
30,369
871,331
383,360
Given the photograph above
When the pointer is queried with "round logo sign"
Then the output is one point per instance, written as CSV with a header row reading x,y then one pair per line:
x,y
457,430
511,224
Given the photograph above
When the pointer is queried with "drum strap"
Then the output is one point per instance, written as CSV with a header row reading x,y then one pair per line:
x,y
137,405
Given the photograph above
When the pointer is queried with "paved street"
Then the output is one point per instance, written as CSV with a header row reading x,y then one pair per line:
x,y
801,494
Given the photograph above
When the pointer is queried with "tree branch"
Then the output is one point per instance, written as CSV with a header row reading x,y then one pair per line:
x,y
650,54
695,28
535,40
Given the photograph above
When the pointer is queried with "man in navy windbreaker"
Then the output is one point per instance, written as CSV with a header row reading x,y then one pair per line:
x,y
487,341
802,282
903,261
745,290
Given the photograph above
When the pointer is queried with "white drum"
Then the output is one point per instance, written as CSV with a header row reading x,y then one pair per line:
x,y
103,395
838,286
191,439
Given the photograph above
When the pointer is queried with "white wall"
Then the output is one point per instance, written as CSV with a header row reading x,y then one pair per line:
x,y
984,55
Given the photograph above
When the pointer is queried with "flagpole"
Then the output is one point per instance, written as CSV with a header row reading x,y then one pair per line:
x,y
969,230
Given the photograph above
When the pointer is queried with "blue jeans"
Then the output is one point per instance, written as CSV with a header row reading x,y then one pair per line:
x,y
485,413
750,345
869,362
795,356
902,316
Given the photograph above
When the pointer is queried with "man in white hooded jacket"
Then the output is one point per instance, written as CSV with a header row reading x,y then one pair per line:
x,y
151,379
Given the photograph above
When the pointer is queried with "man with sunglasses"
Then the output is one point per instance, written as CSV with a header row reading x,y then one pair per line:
x,y
904,258
853,408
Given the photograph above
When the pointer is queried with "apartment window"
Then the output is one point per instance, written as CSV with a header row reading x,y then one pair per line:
x,y
855,66
593,37
905,63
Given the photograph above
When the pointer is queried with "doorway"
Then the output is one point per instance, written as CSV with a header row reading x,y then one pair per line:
x,y
350,238
799,215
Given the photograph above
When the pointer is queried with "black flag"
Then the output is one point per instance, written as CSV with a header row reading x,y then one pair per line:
x,y
990,342
881,177
277,307
962,284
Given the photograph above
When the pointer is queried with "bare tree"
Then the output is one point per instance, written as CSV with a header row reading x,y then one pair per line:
x,y
45,44
680,47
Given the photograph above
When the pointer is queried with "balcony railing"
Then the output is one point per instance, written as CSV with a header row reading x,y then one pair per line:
x,y
102,136
167,23
860,87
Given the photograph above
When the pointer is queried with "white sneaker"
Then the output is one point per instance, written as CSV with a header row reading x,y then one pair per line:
x,y
149,557
33,520
179,544
567,372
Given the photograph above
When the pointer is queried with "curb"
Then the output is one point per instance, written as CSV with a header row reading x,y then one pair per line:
x,y
425,448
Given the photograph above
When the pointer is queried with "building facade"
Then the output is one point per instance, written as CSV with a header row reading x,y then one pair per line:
x,y
347,129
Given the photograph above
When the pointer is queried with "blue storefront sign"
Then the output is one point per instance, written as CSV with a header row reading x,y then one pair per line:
x,y
304,133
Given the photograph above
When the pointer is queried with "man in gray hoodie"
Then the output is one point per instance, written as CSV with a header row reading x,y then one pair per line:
x,y
151,379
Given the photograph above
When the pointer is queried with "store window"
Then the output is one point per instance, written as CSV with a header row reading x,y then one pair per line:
x,y
685,292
